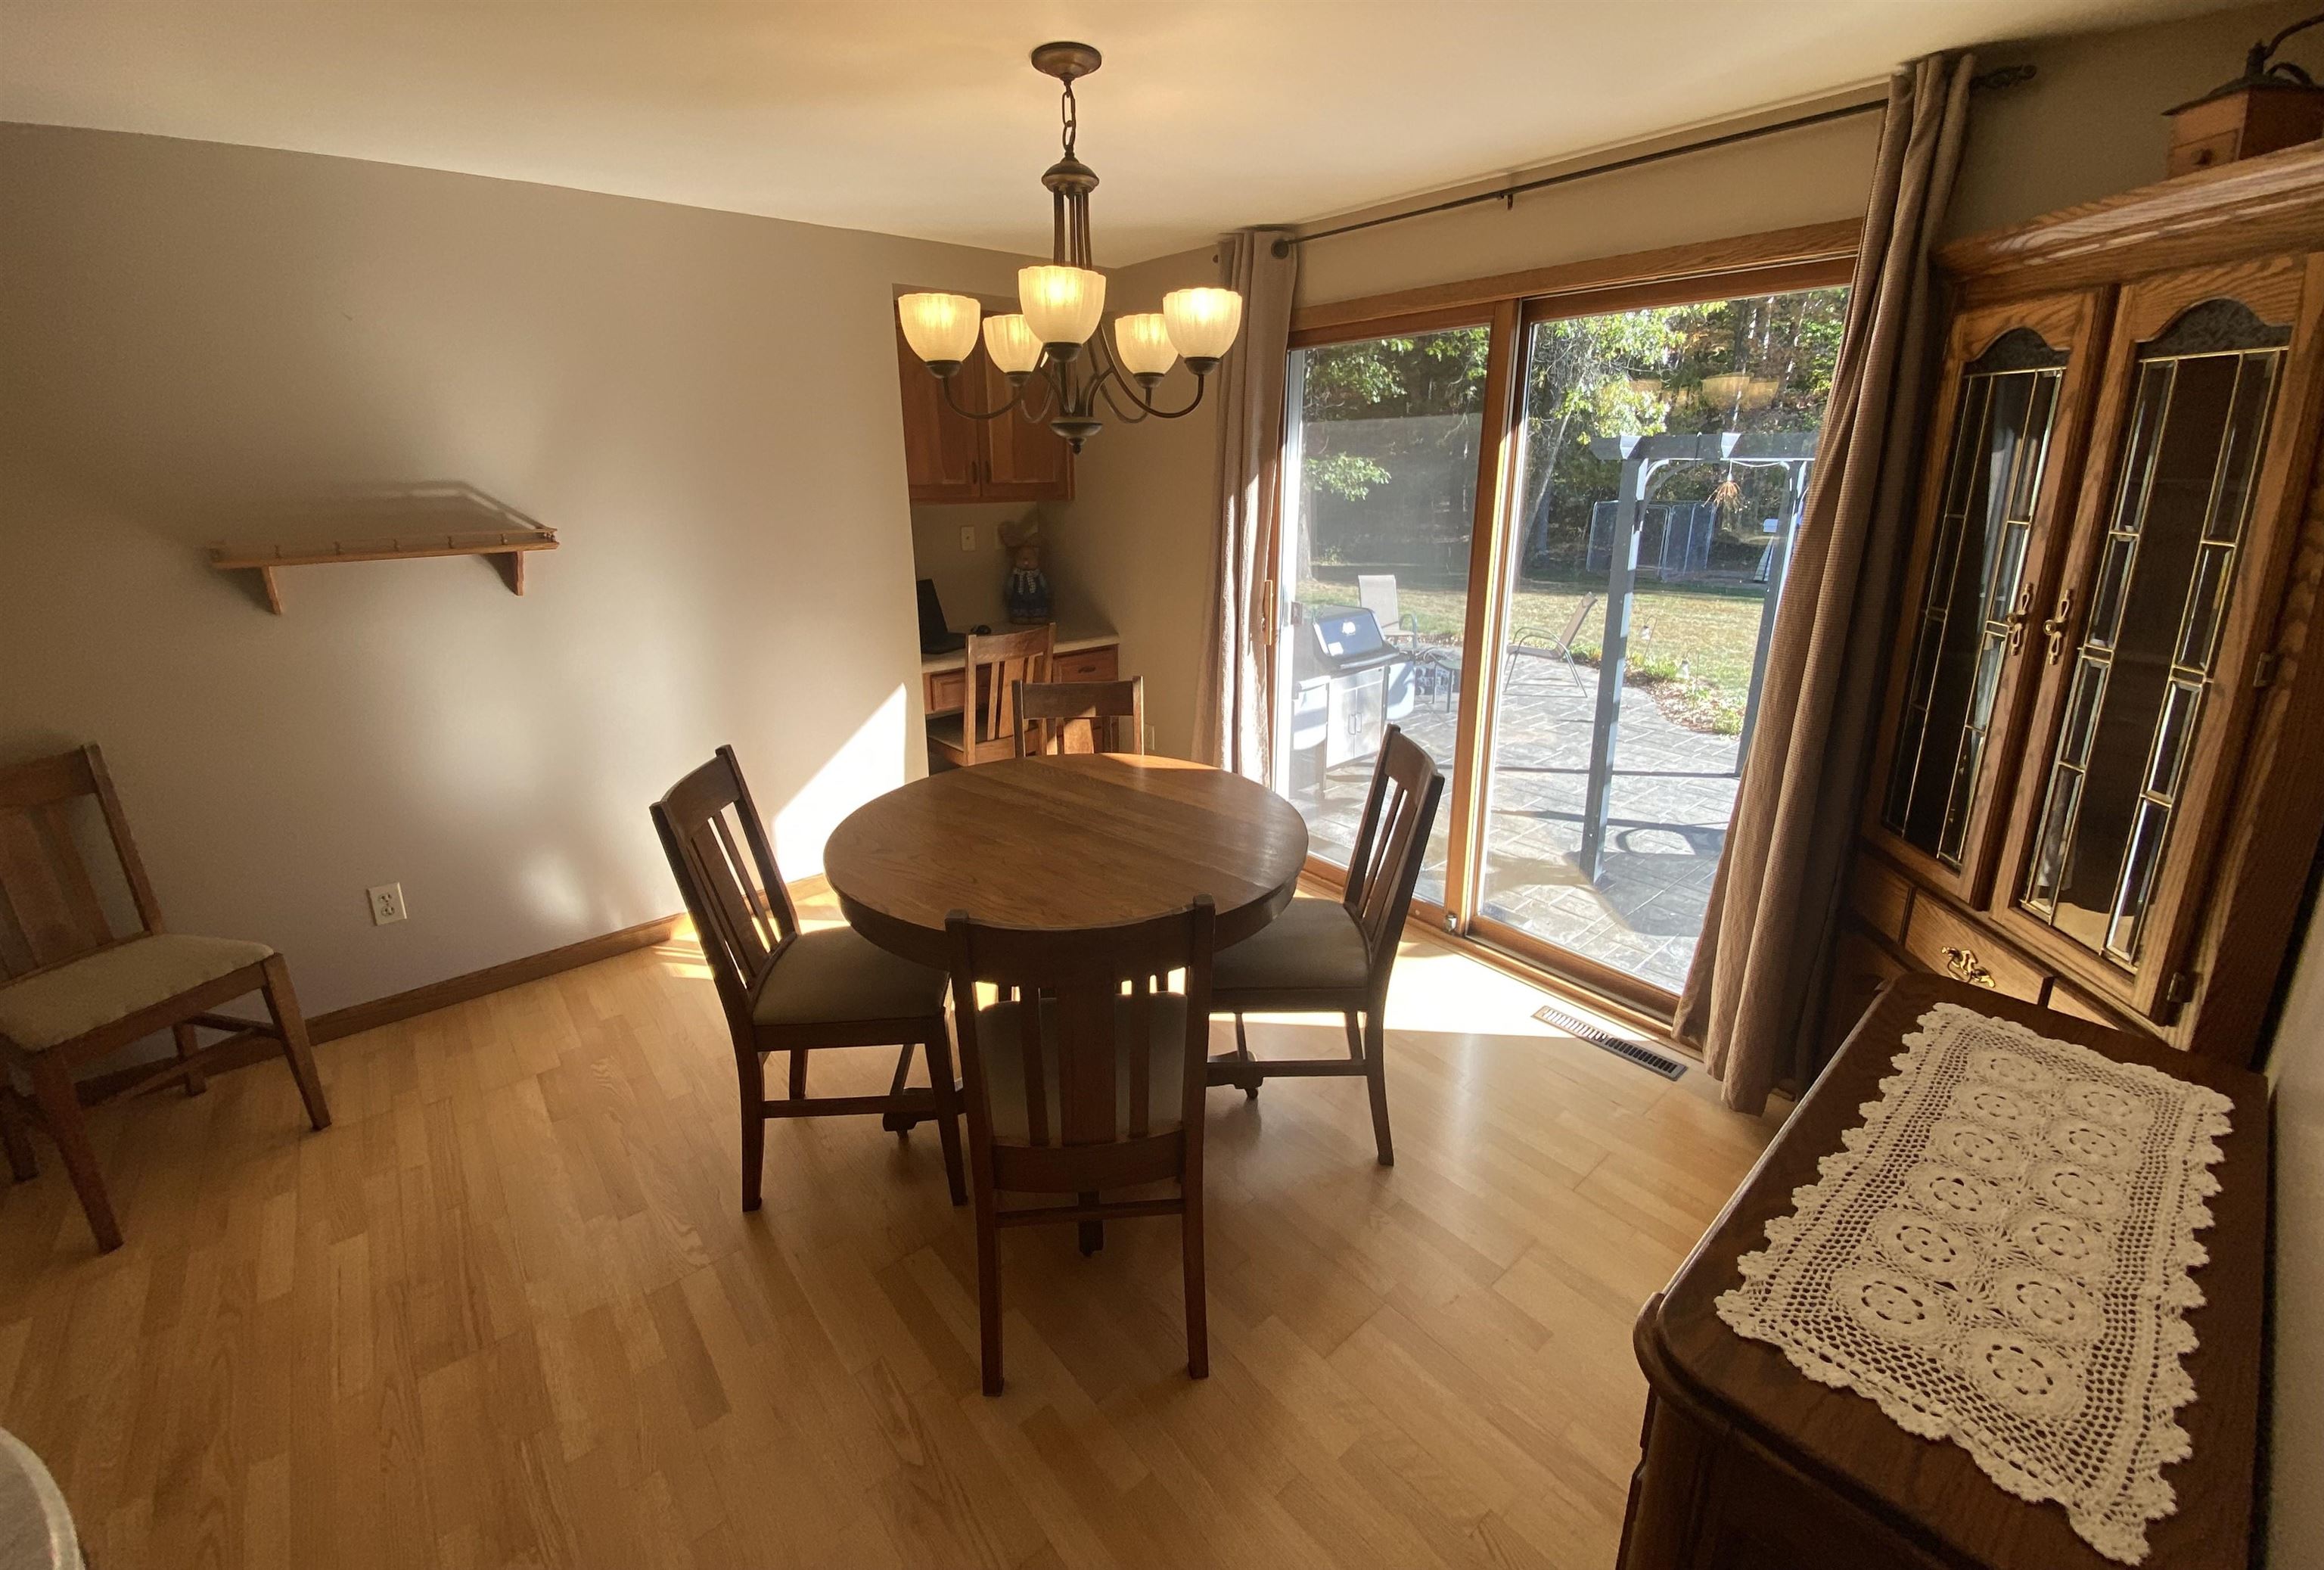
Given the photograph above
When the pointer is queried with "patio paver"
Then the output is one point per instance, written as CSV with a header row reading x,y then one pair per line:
x,y
1674,791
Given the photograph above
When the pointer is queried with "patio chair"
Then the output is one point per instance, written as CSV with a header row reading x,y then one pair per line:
x,y
1533,642
1376,591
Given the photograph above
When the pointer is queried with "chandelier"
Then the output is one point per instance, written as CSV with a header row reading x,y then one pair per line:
x,y
1057,363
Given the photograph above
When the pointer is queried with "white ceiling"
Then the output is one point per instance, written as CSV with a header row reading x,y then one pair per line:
x,y
925,119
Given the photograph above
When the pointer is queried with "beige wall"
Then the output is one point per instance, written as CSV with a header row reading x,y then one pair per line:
x,y
2090,121
704,405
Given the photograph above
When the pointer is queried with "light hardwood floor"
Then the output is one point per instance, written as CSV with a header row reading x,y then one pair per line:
x,y
507,1311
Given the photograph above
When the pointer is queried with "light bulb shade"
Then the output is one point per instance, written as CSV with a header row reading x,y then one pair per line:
x,y
1012,343
1202,321
1061,304
940,328
1144,343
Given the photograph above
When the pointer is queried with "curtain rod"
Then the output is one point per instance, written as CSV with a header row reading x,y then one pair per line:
x,y
2007,77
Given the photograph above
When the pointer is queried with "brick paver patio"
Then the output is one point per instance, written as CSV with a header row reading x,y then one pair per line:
x,y
1673,790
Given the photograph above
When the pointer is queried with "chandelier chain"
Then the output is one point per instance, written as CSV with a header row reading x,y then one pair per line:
x,y
1067,112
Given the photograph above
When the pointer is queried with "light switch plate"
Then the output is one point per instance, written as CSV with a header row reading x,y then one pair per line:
x,y
968,537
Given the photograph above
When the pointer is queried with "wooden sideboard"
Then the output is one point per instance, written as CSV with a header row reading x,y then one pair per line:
x,y
2095,783
1749,1465
1083,656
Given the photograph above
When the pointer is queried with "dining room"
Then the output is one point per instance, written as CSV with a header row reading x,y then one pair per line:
x,y
1548,800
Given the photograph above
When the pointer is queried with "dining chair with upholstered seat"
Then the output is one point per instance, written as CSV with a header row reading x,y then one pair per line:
x,y
1081,717
80,985
1076,1087
786,989
1336,956
996,664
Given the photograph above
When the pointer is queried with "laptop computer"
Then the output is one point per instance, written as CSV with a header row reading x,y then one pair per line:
x,y
936,636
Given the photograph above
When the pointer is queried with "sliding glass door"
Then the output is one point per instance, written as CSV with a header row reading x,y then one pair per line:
x,y
1378,518
1588,679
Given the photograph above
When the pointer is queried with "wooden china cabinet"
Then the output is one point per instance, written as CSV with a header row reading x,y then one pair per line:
x,y
2100,779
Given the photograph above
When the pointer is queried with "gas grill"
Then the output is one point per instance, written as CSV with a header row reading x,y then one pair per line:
x,y
1347,683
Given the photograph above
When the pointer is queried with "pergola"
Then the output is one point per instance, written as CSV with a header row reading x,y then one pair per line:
x,y
1642,457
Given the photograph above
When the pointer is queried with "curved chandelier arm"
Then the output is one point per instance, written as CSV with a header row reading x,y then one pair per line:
x,y
1146,409
1014,404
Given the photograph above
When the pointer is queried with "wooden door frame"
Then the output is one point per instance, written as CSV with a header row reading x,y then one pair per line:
x,y
1778,261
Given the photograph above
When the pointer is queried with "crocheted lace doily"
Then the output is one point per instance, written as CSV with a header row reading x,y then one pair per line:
x,y
2001,1255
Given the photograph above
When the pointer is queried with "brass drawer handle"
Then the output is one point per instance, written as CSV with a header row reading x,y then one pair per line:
x,y
1962,964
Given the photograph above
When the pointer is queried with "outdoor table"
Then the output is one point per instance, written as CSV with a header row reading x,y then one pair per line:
x,y
1091,840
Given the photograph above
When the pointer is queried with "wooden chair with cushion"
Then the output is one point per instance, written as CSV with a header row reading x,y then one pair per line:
x,y
1081,717
986,726
1076,1087
1336,956
785,989
76,992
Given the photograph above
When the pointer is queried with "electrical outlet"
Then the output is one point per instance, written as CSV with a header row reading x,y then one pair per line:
x,y
386,904
1149,740
968,537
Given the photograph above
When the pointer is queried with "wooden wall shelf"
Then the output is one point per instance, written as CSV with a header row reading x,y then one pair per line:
x,y
507,546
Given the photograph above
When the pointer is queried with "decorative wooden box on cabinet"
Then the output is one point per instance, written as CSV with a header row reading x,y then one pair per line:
x,y
2096,786
950,457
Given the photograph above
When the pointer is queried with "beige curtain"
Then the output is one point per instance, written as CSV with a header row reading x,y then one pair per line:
x,y
1231,705
1752,997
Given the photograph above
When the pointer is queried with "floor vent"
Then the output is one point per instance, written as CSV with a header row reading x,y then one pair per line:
x,y
1621,1046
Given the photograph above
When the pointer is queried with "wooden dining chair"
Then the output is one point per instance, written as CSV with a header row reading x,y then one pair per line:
x,y
1081,717
1076,1087
1335,956
785,989
985,728
78,989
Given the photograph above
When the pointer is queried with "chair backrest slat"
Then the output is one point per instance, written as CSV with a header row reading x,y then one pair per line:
x,y
996,664
1081,717
48,895
1391,843
1036,1066
1074,1019
743,914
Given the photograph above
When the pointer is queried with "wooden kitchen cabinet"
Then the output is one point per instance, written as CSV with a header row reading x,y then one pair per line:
x,y
950,457
2095,783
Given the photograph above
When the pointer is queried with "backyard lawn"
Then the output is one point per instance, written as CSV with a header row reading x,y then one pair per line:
x,y
1691,644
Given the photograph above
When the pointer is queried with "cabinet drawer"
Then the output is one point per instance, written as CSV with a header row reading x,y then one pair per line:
x,y
1087,665
945,691
2068,1000
1949,946
1880,897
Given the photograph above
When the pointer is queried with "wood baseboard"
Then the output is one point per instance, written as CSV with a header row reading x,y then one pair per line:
x,y
426,999
493,978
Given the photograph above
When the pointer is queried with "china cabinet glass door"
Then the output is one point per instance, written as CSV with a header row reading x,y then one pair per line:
x,y
2153,639
2010,410
2147,655
1975,597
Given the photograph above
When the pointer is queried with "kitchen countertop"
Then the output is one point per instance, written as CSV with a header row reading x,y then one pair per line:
x,y
1070,641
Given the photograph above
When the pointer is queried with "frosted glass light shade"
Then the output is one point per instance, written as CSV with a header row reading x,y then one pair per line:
x,y
1061,304
1012,343
1202,321
1144,343
940,328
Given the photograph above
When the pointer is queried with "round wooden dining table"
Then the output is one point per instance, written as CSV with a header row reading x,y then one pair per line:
x,y
1086,840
